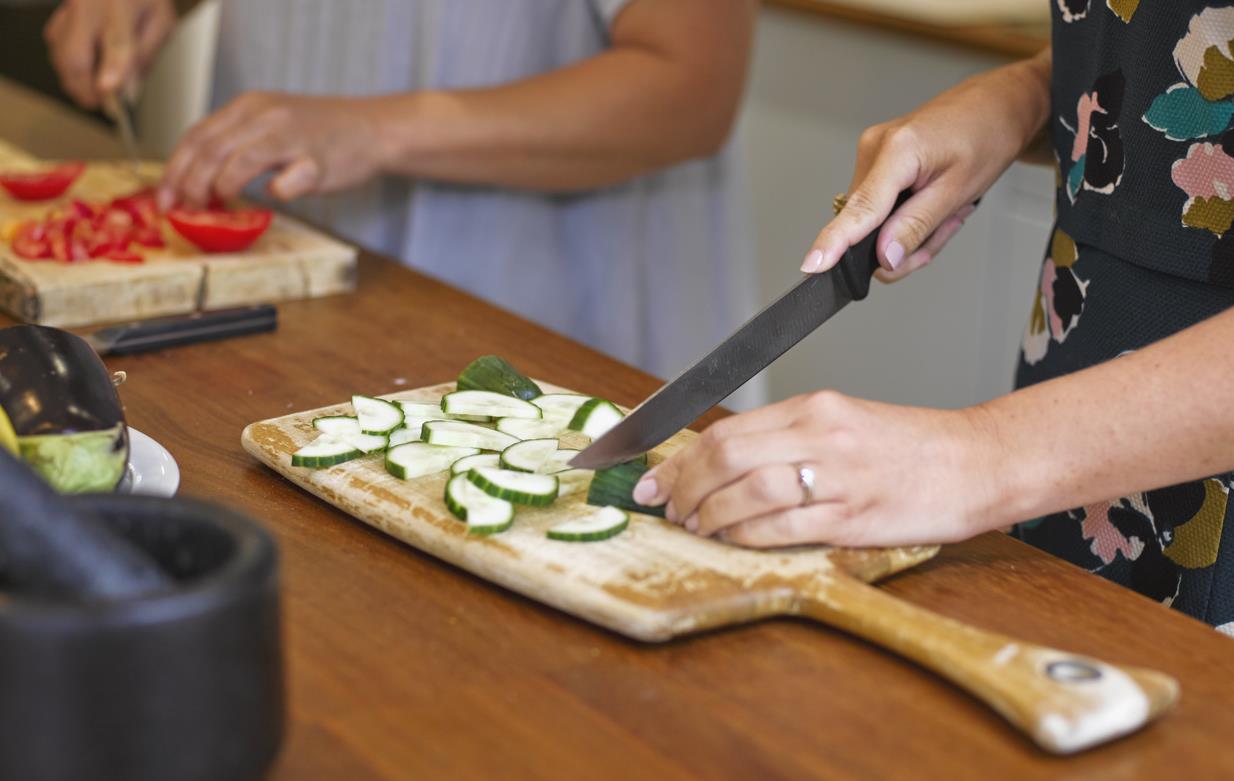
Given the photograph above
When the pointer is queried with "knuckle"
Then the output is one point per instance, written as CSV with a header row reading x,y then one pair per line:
x,y
871,137
763,486
824,403
916,227
861,202
727,455
903,138
276,114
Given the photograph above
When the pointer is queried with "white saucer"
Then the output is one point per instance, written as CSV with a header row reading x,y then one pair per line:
x,y
151,470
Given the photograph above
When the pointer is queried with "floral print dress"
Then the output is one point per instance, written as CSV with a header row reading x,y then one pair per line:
x,y
1143,128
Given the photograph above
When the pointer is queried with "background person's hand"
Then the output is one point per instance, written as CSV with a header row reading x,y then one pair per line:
x,y
948,152
310,144
884,475
99,47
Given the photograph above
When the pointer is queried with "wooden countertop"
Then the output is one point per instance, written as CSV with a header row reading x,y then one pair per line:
x,y
402,667
1010,40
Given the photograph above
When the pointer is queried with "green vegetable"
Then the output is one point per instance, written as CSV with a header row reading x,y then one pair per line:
x,y
615,486
85,462
491,373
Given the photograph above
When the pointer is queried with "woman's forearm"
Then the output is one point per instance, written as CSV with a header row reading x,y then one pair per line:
x,y
1040,151
667,90
1156,417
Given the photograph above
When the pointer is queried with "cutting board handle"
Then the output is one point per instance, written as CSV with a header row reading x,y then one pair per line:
x,y
1065,702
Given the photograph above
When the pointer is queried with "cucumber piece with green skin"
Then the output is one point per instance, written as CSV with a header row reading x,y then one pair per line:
x,y
427,410
516,487
560,406
408,432
419,459
523,428
559,462
615,486
338,425
469,463
488,403
602,524
325,451
595,417
377,416
573,481
528,455
492,373
482,513
456,433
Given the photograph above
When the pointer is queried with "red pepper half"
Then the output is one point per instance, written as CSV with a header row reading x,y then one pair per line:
x,y
42,185
217,230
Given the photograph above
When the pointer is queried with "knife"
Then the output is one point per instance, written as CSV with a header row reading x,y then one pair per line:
x,y
119,109
765,337
159,333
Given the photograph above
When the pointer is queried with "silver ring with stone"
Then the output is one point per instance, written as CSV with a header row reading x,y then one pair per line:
x,y
805,478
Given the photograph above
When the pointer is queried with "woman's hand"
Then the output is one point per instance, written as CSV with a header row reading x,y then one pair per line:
x,y
311,144
949,152
884,475
100,46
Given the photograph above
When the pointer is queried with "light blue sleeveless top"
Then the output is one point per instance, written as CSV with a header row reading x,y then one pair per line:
x,y
653,272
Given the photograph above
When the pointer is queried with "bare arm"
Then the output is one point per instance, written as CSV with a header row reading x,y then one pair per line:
x,y
667,90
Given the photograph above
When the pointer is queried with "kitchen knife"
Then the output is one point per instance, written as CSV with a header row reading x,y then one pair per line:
x,y
765,337
145,335
119,109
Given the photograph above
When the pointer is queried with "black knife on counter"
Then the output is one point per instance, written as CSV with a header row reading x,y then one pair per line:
x,y
765,337
162,332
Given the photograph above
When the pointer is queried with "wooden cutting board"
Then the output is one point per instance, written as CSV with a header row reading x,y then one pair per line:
x,y
657,581
290,261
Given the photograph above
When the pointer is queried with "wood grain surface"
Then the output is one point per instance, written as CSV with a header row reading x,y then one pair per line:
x,y
403,667
290,261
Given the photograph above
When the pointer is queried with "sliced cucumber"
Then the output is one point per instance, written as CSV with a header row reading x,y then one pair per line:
x,y
456,433
367,443
601,524
491,373
338,425
559,462
524,428
469,463
595,417
408,432
324,451
377,416
615,486
528,455
484,514
560,406
417,459
573,481
424,410
487,403
517,487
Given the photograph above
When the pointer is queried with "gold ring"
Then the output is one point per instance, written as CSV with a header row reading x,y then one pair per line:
x,y
805,478
839,202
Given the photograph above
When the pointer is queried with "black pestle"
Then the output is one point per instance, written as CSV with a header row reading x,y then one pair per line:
x,y
49,548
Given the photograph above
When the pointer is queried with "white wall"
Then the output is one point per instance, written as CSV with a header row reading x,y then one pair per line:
x,y
177,92
947,336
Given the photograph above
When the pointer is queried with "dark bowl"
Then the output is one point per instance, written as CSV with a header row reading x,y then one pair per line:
x,y
182,686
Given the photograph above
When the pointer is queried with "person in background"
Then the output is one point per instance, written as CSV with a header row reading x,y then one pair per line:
x,y
566,159
1126,377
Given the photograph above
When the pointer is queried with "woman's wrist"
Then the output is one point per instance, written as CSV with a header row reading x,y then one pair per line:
x,y
1008,484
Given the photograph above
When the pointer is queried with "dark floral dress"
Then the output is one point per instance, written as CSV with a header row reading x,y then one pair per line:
x,y
1143,127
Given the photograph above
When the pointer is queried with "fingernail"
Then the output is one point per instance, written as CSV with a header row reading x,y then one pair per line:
x,y
966,212
813,262
670,512
646,490
894,254
692,523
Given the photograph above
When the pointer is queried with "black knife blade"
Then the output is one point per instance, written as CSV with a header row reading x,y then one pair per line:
x,y
765,337
158,333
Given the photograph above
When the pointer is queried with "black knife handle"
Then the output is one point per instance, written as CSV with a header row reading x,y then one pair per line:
x,y
144,335
860,261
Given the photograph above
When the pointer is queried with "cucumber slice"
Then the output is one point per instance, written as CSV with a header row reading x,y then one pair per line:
x,y
559,462
408,432
377,416
338,425
560,406
595,417
528,455
418,459
324,451
517,487
573,481
601,524
456,433
469,463
491,373
523,428
367,443
483,514
615,486
489,404
425,410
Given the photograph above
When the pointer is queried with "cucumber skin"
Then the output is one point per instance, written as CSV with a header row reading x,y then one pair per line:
x,y
323,462
513,497
493,373
615,486
460,512
607,534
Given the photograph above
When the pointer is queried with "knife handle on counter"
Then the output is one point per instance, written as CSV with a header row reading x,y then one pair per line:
x,y
156,334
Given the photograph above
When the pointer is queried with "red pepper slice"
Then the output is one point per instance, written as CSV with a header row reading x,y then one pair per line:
x,y
30,242
215,230
42,185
